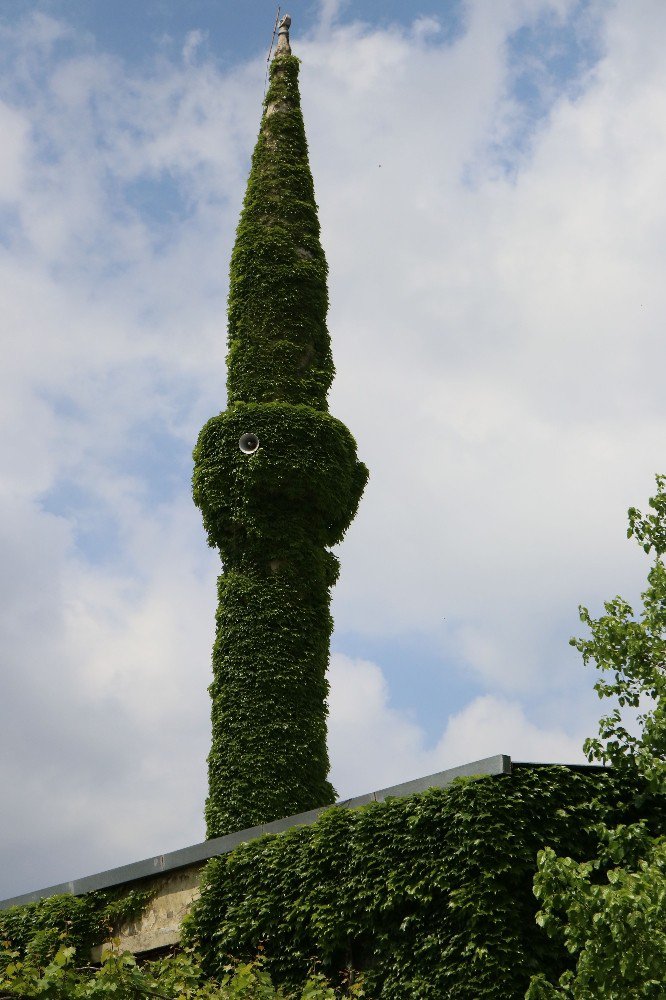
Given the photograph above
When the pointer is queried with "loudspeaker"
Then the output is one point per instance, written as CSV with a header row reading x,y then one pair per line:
x,y
248,443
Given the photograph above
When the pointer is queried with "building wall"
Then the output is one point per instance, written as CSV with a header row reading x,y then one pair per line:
x,y
159,924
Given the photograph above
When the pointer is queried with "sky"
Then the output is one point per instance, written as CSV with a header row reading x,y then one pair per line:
x,y
490,184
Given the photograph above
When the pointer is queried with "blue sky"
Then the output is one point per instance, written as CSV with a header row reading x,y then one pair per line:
x,y
496,304
234,32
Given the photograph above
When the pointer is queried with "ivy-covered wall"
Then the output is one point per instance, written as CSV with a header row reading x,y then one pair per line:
x,y
37,930
278,482
428,896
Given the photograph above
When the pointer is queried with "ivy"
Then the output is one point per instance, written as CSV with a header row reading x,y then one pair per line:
x,y
275,512
419,898
35,932
279,347
428,896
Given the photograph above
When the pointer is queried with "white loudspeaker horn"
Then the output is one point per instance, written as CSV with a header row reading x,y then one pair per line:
x,y
248,443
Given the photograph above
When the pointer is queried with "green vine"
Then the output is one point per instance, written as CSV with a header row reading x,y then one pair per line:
x,y
279,347
428,896
274,511
36,931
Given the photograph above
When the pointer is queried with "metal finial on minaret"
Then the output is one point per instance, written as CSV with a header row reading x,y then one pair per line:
x,y
283,48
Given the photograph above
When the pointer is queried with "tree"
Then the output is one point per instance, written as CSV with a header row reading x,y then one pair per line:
x,y
610,912
278,482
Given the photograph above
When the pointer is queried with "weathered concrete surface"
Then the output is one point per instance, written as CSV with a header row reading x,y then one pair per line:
x,y
159,924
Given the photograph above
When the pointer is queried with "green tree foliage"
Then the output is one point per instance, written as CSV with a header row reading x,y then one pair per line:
x,y
120,977
610,912
274,512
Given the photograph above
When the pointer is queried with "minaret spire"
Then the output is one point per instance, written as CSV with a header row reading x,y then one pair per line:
x,y
278,482
283,47
279,347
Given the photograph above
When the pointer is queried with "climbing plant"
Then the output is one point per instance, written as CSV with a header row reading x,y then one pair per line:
x,y
279,347
429,896
35,932
278,482
420,898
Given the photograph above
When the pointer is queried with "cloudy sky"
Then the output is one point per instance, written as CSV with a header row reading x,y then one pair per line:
x,y
490,175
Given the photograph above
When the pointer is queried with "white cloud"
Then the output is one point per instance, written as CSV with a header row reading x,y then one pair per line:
x,y
374,745
14,130
500,356
329,12
500,343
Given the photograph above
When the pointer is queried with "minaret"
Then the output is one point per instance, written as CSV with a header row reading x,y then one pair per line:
x,y
278,482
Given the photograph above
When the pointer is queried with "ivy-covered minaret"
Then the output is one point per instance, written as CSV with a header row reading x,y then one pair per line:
x,y
278,482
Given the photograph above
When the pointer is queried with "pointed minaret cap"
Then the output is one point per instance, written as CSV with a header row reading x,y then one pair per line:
x,y
283,48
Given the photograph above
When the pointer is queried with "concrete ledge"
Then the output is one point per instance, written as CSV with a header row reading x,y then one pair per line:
x,y
199,853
